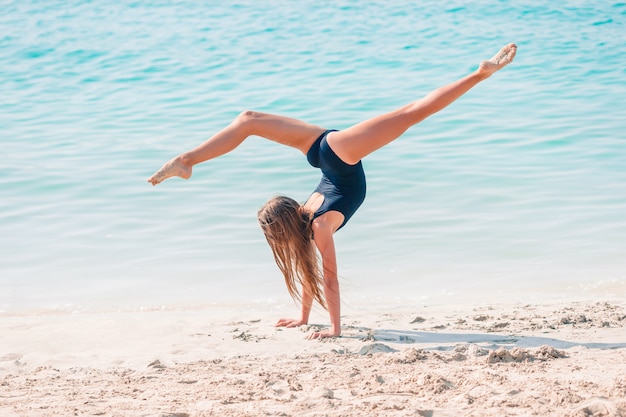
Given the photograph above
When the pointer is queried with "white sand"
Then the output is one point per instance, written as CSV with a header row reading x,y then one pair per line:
x,y
566,359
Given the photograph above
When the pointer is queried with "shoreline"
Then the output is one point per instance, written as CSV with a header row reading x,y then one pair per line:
x,y
558,358
356,298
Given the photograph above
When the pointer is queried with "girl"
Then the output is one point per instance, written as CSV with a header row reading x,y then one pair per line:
x,y
295,231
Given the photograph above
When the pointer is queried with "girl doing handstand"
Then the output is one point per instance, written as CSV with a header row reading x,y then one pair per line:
x,y
294,231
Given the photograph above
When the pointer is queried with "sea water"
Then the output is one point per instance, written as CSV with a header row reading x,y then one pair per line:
x,y
517,189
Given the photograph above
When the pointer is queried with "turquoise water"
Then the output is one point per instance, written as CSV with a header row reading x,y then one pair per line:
x,y
518,188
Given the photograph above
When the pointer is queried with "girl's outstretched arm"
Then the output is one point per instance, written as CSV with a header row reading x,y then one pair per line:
x,y
323,231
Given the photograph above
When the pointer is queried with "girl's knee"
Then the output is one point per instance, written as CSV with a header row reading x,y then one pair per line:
x,y
246,121
246,116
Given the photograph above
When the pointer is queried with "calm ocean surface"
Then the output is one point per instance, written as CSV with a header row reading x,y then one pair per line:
x,y
517,190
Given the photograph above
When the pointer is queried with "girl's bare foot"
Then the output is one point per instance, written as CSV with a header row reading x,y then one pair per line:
x,y
498,61
173,168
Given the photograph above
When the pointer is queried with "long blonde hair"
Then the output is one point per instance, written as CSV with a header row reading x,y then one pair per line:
x,y
287,228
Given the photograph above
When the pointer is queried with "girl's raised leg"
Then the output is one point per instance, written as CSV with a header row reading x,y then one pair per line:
x,y
284,130
358,141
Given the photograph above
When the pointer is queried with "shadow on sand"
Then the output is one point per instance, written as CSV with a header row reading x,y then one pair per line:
x,y
492,341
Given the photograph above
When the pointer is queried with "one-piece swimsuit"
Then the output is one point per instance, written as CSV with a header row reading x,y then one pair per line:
x,y
342,185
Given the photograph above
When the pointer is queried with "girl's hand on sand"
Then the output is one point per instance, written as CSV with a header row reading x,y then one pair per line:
x,y
290,323
321,335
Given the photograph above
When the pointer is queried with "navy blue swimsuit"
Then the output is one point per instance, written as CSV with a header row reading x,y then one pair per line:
x,y
342,185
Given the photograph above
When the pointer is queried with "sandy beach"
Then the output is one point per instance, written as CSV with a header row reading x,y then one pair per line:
x,y
565,359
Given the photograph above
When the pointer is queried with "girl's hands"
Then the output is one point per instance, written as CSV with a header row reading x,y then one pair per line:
x,y
290,323
310,335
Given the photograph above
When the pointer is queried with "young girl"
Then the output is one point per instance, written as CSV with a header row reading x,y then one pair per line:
x,y
294,231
